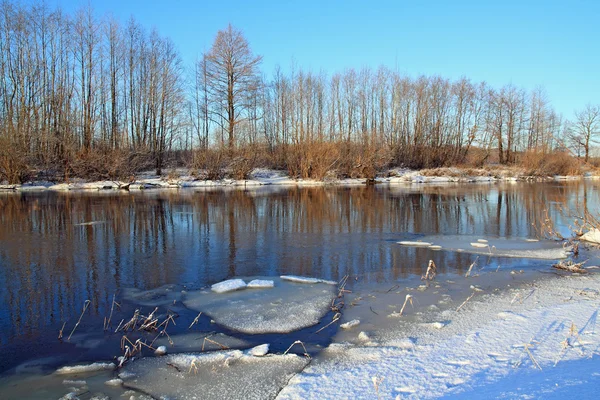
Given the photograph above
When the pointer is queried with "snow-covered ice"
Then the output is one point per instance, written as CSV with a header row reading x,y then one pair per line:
x,y
306,279
78,369
217,375
499,247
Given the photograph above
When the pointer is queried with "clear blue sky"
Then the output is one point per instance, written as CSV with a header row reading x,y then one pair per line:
x,y
555,44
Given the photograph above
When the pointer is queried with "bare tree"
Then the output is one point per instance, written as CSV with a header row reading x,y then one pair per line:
x,y
232,73
586,127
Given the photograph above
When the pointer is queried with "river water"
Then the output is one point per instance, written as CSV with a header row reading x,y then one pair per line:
x,y
58,250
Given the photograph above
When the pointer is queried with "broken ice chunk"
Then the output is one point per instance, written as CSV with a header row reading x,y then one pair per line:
x,y
259,351
260,284
228,286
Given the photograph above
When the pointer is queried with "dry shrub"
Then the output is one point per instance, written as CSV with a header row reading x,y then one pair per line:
x,y
211,162
548,164
311,160
14,166
219,163
106,164
362,161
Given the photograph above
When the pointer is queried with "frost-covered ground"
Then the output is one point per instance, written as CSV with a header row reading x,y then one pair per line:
x,y
182,178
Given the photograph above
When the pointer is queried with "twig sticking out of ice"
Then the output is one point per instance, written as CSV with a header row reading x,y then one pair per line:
x,y
228,286
415,244
350,324
77,369
306,279
260,284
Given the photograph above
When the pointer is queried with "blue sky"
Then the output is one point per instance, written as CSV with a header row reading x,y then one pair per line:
x,y
555,44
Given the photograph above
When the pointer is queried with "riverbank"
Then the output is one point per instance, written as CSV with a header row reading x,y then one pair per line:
x,y
183,178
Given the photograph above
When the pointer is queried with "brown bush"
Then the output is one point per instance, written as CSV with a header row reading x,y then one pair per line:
x,y
311,160
107,164
548,164
14,166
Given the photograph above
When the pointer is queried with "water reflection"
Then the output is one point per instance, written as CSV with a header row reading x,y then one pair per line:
x,y
59,249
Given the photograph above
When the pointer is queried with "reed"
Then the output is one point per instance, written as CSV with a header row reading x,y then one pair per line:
x,y
86,304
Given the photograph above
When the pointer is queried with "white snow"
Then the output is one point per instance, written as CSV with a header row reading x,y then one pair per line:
x,y
350,324
183,178
77,369
592,236
161,350
305,279
261,284
229,285
287,307
479,353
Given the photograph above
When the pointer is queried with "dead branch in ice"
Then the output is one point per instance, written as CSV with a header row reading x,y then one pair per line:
x,y
570,266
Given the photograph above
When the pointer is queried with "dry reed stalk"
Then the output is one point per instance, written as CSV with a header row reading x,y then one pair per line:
x,y
194,367
573,334
119,326
376,383
465,302
206,339
431,271
295,343
471,267
107,321
60,333
86,304
336,317
195,321
408,298
133,321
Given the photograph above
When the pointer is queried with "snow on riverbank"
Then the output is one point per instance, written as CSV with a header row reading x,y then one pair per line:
x,y
491,347
260,177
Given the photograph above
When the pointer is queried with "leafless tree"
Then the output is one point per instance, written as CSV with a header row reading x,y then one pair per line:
x,y
232,73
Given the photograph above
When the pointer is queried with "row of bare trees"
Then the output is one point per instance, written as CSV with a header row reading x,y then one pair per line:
x,y
89,96
72,87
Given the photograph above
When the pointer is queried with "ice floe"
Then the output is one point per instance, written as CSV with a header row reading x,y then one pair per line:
x,y
287,307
